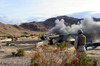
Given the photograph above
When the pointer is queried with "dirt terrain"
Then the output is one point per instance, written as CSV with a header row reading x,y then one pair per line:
x,y
6,59
95,53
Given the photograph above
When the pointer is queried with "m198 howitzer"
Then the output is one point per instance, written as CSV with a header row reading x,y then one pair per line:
x,y
66,37
61,38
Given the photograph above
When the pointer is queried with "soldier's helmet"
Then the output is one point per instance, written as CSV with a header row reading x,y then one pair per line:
x,y
80,31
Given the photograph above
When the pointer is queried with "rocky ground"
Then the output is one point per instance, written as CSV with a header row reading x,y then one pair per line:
x,y
6,59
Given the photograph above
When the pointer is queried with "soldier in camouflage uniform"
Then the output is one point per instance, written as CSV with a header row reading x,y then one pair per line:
x,y
81,41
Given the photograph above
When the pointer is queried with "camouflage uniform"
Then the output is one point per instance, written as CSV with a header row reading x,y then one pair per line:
x,y
81,43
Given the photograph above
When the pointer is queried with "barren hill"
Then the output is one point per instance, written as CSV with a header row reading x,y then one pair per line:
x,y
6,29
34,27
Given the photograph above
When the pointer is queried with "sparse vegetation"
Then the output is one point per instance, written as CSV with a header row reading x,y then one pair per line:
x,y
29,36
14,53
84,60
3,36
54,56
20,52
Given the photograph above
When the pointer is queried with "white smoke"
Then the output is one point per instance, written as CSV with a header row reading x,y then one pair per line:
x,y
90,28
60,28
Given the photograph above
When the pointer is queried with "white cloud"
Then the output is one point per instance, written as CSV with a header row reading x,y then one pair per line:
x,y
46,8
62,7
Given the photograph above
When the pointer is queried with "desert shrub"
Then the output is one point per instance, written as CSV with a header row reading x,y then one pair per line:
x,y
14,53
27,36
32,62
31,35
62,44
3,36
54,56
20,52
96,62
58,44
35,64
85,60
23,36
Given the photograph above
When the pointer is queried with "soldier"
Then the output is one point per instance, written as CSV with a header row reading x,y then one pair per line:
x,y
81,41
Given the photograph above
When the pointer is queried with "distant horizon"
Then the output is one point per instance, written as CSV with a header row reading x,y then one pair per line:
x,y
32,19
19,11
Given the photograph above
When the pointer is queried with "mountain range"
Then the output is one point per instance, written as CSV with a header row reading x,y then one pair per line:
x,y
36,27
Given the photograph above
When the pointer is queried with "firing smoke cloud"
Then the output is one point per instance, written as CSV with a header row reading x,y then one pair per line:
x,y
90,28
60,28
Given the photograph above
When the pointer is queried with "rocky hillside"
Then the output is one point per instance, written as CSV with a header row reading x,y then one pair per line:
x,y
6,29
33,27
49,23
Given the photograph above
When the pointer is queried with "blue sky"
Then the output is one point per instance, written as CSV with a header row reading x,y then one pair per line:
x,y
18,11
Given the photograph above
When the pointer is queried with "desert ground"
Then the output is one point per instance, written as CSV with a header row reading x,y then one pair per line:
x,y
6,59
